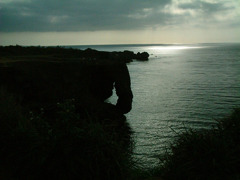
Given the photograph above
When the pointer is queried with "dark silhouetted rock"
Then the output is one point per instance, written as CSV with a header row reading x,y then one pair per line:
x,y
68,54
142,56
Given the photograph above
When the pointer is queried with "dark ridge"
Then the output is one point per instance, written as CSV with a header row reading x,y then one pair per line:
x,y
60,53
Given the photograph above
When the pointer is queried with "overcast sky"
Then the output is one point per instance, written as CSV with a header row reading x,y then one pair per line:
x,y
72,22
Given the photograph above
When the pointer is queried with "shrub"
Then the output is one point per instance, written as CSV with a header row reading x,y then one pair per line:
x,y
206,154
65,145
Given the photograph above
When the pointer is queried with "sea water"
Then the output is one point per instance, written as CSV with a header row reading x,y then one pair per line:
x,y
181,86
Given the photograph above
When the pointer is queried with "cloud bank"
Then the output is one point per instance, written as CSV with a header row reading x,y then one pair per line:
x,y
102,15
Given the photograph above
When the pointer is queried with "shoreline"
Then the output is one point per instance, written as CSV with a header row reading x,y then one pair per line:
x,y
47,140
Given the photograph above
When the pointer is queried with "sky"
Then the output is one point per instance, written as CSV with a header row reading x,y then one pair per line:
x,y
81,22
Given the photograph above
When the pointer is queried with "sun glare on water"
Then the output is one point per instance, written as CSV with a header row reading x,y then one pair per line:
x,y
172,47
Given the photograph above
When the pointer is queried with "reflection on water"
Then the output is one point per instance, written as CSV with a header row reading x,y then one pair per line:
x,y
167,48
180,87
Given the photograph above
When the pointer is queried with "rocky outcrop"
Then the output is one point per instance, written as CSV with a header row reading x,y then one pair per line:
x,y
142,56
125,56
129,56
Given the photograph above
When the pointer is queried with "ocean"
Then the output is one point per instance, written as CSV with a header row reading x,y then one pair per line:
x,y
180,87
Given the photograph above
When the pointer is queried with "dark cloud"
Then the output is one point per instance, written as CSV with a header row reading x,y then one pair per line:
x,y
206,7
93,15
73,15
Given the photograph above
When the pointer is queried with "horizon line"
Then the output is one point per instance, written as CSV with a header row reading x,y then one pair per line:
x,y
124,44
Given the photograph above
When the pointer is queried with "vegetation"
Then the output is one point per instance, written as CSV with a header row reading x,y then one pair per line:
x,y
50,125
67,147
206,154
34,53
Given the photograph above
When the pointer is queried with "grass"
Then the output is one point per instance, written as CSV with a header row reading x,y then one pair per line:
x,y
206,154
67,147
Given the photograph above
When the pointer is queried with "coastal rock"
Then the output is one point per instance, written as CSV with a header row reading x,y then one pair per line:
x,y
142,56
129,56
125,56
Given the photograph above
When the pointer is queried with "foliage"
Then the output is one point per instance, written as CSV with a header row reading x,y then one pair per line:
x,y
206,154
68,146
